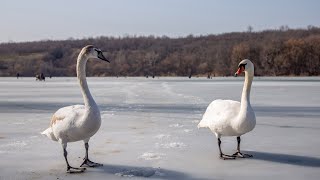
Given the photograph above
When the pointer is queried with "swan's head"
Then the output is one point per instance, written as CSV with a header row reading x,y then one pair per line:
x,y
245,66
92,52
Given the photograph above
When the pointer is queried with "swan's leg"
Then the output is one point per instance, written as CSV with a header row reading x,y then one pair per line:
x,y
224,156
239,153
69,168
86,159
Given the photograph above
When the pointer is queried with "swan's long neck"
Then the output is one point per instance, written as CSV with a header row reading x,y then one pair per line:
x,y
245,98
81,75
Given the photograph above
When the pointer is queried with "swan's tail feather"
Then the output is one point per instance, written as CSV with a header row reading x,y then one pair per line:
x,y
202,124
48,132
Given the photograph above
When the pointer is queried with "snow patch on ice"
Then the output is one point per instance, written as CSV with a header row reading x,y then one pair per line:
x,y
138,172
15,145
18,123
171,145
195,121
151,156
106,116
176,125
107,113
187,130
162,136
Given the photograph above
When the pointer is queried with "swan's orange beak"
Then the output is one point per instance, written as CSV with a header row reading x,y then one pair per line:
x,y
240,70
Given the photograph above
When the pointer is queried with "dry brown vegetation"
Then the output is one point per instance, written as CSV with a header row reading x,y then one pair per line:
x,y
274,52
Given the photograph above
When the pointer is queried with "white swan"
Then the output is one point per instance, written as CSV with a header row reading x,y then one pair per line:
x,y
232,118
78,122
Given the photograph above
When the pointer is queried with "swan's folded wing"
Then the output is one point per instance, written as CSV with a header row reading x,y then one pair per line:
x,y
67,113
219,112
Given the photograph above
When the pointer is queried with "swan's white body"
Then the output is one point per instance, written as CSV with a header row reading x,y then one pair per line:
x,y
74,123
77,122
232,118
224,119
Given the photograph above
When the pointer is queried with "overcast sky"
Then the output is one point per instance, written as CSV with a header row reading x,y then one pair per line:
x,y
32,20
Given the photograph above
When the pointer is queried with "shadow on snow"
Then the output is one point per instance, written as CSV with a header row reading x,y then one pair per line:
x,y
286,158
146,172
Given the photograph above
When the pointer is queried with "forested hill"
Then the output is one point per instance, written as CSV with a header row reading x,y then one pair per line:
x,y
274,53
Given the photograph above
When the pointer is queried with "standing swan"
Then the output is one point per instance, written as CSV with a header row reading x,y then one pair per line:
x,y
232,118
78,122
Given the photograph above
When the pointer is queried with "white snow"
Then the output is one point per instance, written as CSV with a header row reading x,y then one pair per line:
x,y
149,129
187,130
171,145
162,136
151,156
176,125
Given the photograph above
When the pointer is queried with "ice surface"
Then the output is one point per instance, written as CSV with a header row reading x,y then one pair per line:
x,y
149,129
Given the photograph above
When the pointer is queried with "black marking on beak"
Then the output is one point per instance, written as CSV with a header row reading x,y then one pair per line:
x,y
101,56
243,65
240,70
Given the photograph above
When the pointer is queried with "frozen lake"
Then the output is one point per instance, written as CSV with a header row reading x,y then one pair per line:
x,y
149,129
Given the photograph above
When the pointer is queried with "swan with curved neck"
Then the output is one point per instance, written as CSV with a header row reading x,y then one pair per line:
x,y
78,122
232,118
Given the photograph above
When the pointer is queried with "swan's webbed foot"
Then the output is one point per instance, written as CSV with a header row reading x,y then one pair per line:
x,y
89,163
227,157
224,156
70,169
242,155
75,170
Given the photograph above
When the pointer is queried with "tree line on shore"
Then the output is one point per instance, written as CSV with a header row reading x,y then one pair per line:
x,y
283,52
